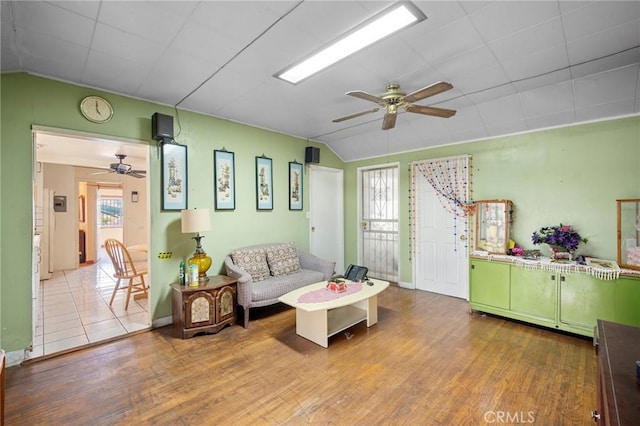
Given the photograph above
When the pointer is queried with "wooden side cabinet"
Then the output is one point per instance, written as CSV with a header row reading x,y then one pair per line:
x,y
618,388
207,308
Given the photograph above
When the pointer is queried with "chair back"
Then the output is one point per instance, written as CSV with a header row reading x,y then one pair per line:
x,y
121,259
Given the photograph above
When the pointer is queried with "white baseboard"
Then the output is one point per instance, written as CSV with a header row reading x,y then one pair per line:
x,y
14,358
406,285
161,322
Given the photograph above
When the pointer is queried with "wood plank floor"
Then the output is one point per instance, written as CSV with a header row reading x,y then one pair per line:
x,y
427,362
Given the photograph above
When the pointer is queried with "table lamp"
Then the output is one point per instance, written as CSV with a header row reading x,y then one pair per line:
x,y
198,220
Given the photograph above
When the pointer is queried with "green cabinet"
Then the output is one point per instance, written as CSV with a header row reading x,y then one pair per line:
x,y
565,301
585,299
534,293
627,301
490,284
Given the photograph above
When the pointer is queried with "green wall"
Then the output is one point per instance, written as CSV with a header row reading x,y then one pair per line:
x,y
28,101
571,175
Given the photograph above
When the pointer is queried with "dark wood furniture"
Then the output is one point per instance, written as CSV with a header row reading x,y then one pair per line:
x,y
204,309
2,384
618,388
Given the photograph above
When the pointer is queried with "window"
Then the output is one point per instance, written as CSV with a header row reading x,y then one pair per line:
x,y
110,211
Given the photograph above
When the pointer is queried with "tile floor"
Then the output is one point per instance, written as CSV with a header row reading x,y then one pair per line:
x,y
75,311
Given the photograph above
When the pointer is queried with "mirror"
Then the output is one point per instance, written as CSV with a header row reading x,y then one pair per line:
x,y
629,233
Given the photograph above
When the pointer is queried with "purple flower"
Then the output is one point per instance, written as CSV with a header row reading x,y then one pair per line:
x,y
562,236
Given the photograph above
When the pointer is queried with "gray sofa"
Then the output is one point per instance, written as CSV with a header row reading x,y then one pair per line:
x,y
267,271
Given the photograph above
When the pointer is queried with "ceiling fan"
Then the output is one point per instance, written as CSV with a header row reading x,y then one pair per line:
x,y
121,168
394,98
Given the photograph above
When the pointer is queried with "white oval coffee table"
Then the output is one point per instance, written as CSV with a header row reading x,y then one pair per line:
x,y
318,321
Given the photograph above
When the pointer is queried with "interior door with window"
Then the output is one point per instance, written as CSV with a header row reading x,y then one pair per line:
x,y
378,248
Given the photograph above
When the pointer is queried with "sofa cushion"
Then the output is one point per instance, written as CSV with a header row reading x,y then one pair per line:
x,y
273,287
254,261
283,259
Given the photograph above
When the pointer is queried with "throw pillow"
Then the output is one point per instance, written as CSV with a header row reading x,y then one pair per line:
x,y
253,261
283,259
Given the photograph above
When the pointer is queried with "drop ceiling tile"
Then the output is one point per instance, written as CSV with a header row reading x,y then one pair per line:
x,y
482,96
470,134
604,43
506,109
545,100
88,9
551,120
105,72
606,87
53,21
158,22
465,118
36,47
205,43
450,40
611,109
241,21
506,128
541,80
598,16
505,18
438,13
627,58
537,63
169,83
530,40
119,44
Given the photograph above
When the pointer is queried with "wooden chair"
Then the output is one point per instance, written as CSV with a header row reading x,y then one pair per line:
x,y
125,269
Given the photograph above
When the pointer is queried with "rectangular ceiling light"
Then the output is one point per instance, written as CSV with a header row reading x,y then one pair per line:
x,y
390,20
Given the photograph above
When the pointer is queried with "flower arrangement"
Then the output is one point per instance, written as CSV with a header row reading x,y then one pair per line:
x,y
561,236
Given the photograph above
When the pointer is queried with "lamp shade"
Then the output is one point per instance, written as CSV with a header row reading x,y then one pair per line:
x,y
196,220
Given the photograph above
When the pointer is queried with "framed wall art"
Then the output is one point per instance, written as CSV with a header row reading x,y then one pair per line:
x,y
174,176
295,186
264,183
224,180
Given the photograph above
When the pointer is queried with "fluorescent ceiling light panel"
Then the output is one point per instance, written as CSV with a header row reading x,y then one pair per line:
x,y
380,26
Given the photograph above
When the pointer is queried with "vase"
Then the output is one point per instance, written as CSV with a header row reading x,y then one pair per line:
x,y
560,254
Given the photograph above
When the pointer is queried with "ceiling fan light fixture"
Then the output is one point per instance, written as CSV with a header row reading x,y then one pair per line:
x,y
390,20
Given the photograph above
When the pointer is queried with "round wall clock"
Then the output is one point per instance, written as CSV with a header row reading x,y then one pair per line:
x,y
96,109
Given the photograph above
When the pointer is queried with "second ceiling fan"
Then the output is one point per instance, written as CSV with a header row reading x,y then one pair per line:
x,y
394,99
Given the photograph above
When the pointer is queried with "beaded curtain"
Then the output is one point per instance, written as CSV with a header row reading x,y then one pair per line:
x,y
451,178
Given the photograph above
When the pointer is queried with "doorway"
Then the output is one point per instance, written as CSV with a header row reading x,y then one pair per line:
x,y
326,230
73,307
378,207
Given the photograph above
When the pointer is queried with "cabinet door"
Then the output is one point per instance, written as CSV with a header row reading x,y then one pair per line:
x,y
489,283
534,293
628,301
585,299
226,302
198,309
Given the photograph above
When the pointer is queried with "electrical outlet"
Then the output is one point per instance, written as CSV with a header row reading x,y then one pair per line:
x,y
165,255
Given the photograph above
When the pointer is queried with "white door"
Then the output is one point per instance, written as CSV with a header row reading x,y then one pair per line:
x,y
326,216
441,254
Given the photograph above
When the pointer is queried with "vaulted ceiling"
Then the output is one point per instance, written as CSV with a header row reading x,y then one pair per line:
x,y
515,65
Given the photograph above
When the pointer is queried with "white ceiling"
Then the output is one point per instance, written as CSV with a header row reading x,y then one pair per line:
x,y
515,65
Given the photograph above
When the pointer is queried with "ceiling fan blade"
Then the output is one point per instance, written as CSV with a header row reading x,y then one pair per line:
x,y
357,114
427,110
366,96
425,92
102,172
389,121
136,175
